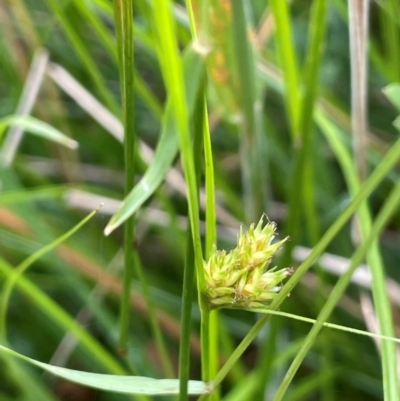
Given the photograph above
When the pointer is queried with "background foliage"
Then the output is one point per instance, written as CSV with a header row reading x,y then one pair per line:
x,y
286,111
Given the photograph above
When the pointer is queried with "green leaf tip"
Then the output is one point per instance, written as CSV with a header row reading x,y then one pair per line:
x,y
109,229
392,92
38,128
240,278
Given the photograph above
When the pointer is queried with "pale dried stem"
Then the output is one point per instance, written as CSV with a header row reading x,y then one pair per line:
x,y
358,26
27,100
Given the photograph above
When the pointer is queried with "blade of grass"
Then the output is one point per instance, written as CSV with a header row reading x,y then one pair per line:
x,y
173,76
374,260
390,37
392,92
167,146
211,238
155,327
189,270
22,267
251,130
61,318
372,182
115,383
28,195
25,24
186,318
305,185
389,207
82,51
211,218
38,128
29,386
267,354
288,62
395,201
93,20
302,171
124,25
203,38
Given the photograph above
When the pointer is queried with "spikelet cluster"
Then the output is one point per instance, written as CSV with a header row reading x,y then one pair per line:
x,y
241,278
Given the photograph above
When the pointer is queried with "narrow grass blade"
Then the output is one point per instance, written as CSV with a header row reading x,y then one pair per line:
x,y
58,315
392,92
123,10
389,26
167,147
387,163
327,324
305,185
386,212
173,75
291,90
82,50
115,383
374,260
252,133
211,237
38,128
186,318
154,323
29,195
288,61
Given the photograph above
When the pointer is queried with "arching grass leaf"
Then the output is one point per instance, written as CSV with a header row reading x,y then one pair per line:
x,y
37,127
167,148
115,383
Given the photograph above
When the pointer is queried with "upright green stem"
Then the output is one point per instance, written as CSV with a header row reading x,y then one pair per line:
x,y
211,238
307,166
186,318
289,64
124,23
156,329
209,323
189,271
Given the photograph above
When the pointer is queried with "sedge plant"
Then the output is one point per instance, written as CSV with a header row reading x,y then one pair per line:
x,y
195,121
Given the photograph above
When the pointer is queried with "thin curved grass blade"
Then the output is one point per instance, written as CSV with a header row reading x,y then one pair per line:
x,y
39,128
28,195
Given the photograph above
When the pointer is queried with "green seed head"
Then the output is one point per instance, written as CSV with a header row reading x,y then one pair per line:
x,y
240,278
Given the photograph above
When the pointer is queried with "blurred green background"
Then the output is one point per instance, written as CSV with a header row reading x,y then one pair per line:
x,y
68,49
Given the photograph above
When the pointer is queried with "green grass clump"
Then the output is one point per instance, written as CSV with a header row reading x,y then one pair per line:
x,y
188,122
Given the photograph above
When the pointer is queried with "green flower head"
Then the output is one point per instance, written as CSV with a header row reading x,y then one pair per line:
x,y
240,278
